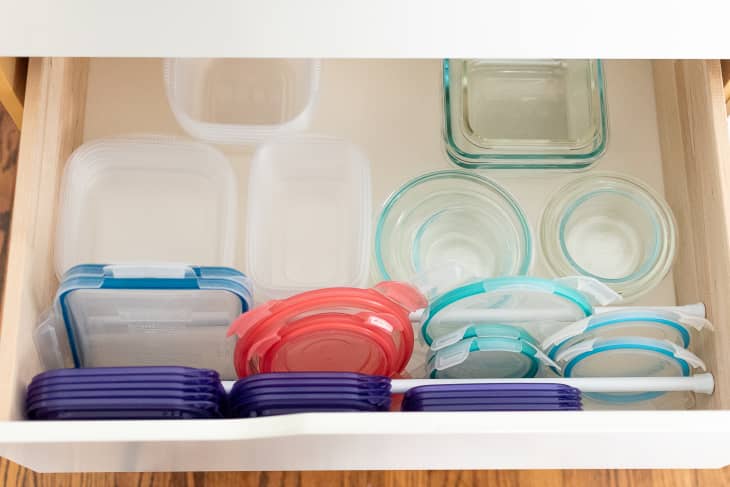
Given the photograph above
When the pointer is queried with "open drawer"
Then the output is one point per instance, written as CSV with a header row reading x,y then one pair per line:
x,y
668,127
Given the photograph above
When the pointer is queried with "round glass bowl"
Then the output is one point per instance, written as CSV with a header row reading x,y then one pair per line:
x,y
450,218
610,227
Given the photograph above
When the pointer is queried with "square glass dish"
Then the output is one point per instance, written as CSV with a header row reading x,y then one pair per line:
x,y
524,114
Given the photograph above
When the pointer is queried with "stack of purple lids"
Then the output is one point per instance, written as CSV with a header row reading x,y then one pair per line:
x,y
126,393
300,392
492,397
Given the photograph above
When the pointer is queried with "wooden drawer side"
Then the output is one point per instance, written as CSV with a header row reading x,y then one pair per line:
x,y
52,128
696,161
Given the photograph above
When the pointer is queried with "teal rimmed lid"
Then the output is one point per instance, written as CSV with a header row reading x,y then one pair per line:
x,y
501,293
488,357
627,357
483,331
659,324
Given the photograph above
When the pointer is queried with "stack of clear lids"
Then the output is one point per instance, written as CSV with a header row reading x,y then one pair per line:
x,y
341,329
138,315
492,397
478,330
631,342
287,393
126,393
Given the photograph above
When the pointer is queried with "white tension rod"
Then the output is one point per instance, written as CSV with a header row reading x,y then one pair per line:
x,y
700,383
548,314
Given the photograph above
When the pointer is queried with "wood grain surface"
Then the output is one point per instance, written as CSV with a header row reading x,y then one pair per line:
x,y
13,475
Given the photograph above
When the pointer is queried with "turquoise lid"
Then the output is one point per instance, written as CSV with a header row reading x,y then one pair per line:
x,y
508,292
147,301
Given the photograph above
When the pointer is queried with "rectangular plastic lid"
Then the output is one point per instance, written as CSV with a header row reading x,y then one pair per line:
x,y
309,216
121,315
146,199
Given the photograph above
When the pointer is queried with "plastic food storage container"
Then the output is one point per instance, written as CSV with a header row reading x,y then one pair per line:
x,y
452,218
524,114
241,101
146,199
309,216
613,228
121,315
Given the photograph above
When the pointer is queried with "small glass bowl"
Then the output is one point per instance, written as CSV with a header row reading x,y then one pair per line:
x,y
449,218
610,227
524,114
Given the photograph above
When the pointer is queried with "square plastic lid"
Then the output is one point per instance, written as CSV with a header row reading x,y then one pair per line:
x,y
309,216
146,199
121,315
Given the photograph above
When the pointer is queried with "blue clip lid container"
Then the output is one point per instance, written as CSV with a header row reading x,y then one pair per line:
x,y
132,315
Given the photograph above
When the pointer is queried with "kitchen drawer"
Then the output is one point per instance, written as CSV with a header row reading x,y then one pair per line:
x,y
668,126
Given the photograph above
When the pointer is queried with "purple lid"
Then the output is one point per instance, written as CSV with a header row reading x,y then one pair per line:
x,y
314,402
142,370
151,394
316,396
44,407
483,408
493,402
304,390
122,414
179,379
285,384
294,410
350,376
491,387
493,394
141,387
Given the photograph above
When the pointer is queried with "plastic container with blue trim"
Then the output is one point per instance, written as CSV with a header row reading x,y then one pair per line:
x,y
679,328
627,357
132,315
489,357
509,300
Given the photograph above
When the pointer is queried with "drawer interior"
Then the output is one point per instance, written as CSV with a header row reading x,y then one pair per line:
x,y
667,127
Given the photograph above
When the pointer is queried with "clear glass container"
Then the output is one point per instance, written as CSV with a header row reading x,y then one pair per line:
x,y
610,227
528,114
447,218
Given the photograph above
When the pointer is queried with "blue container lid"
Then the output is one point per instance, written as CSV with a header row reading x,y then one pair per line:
x,y
151,314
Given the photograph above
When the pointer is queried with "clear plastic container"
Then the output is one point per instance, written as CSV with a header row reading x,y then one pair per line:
x,y
241,101
449,218
146,199
309,216
610,227
529,114
119,315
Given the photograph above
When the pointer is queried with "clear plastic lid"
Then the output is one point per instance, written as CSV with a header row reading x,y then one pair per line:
x,y
241,101
488,357
671,325
120,315
146,199
512,300
309,216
